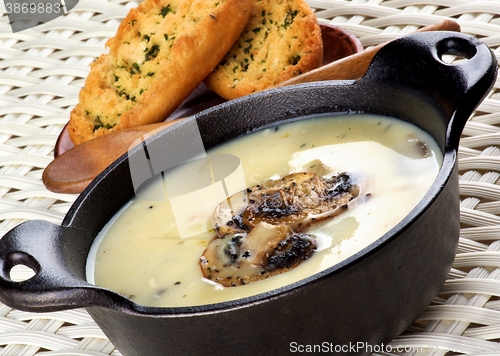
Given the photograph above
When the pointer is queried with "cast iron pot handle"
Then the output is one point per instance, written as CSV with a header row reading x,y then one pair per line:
x,y
416,61
40,245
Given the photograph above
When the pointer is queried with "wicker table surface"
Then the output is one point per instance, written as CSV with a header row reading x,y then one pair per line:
x,y
43,69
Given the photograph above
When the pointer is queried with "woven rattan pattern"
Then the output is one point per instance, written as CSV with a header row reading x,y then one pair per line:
x,y
42,70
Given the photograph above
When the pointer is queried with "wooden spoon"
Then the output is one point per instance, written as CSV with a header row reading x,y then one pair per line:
x,y
72,171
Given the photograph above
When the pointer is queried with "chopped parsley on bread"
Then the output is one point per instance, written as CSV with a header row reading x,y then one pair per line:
x,y
281,40
162,50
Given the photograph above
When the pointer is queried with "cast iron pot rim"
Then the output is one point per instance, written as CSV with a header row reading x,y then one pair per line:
x,y
131,307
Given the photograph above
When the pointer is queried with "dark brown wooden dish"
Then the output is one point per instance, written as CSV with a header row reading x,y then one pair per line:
x,y
369,298
337,44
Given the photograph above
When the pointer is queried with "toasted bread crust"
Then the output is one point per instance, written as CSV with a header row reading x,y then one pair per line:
x,y
162,50
282,39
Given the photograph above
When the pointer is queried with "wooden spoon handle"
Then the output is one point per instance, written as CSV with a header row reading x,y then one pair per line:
x,y
75,169
355,66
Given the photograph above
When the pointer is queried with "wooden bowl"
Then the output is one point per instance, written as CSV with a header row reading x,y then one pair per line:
x,y
337,44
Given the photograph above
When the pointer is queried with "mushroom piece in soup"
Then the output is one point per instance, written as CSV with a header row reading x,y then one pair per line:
x,y
258,228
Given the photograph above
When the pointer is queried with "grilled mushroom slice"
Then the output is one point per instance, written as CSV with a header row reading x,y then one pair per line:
x,y
267,250
296,200
258,229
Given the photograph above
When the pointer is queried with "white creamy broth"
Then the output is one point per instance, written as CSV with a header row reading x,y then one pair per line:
x,y
142,255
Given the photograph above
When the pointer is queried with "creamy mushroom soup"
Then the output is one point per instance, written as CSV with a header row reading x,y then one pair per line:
x,y
150,251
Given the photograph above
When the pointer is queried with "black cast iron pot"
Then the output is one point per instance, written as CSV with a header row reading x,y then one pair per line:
x,y
369,298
